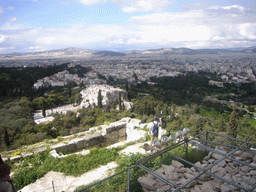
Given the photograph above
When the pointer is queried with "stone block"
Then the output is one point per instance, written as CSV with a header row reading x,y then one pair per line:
x,y
95,140
174,176
221,172
147,183
196,189
122,132
236,179
177,164
228,177
245,169
227,188
111,137
59,147
165,188
123,138
199,166
217,156
119,125
207,187
229,169
182,170
204,177
110,129
26,154
80,143
246,156
191,184
238,153
216,184
214,169
39,150
16,157
252,173
181,181
159,183
71,147
188,175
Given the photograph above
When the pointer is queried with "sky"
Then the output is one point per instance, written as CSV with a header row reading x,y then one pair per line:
x,y
120,25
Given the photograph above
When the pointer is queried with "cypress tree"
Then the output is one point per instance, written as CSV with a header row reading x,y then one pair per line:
x,y
43,109
6,137
221,124
232,125
127,89
120,102
99,99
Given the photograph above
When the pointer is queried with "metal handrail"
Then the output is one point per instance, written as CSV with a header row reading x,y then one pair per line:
x,y
202,170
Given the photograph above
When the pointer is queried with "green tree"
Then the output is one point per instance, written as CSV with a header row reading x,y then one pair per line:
x,y
6,137
232,124
99,99
26,107
196,123
221,126
245,130
120,102
43,108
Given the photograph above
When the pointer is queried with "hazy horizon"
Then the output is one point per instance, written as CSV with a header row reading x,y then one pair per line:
x,y
119,25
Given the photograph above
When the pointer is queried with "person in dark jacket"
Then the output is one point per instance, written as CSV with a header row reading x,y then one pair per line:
x,y
154,129
6,183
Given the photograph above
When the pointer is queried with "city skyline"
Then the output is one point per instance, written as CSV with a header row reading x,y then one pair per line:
x,y
118,25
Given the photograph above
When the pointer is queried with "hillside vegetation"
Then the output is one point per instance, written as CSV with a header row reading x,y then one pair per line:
x,y
180,102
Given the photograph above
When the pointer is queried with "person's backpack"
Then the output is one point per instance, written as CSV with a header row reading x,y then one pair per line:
x,y
155,128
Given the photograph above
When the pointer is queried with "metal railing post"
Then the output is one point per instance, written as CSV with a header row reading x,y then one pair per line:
x,y
128,181
53,186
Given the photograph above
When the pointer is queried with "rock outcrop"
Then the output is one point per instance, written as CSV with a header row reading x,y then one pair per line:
x,y
235,172
110,96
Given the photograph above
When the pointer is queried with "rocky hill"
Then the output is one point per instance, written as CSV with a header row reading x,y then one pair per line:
x,y
110,96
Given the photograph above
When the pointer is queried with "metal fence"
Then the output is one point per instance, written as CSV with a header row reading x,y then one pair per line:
x,y
207,141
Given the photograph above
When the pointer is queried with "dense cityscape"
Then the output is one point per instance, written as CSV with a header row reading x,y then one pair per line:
x,y
70,104
236,67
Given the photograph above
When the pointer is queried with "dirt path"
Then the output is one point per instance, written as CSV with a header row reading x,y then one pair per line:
x,y
69,183
64,183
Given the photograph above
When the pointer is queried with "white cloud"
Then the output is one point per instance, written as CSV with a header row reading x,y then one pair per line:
x,y
10,8
35,48
170,18
145,5
191,28
3,38
232,7
132,6
13,19
10,26
91,2
171,33
247,30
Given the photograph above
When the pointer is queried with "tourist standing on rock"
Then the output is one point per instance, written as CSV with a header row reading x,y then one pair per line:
x,y
154,129
6,183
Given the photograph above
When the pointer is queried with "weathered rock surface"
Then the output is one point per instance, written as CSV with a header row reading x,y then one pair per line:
x,y
110,96
177,174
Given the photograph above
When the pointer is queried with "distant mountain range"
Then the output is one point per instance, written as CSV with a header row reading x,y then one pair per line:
x,y
162,51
